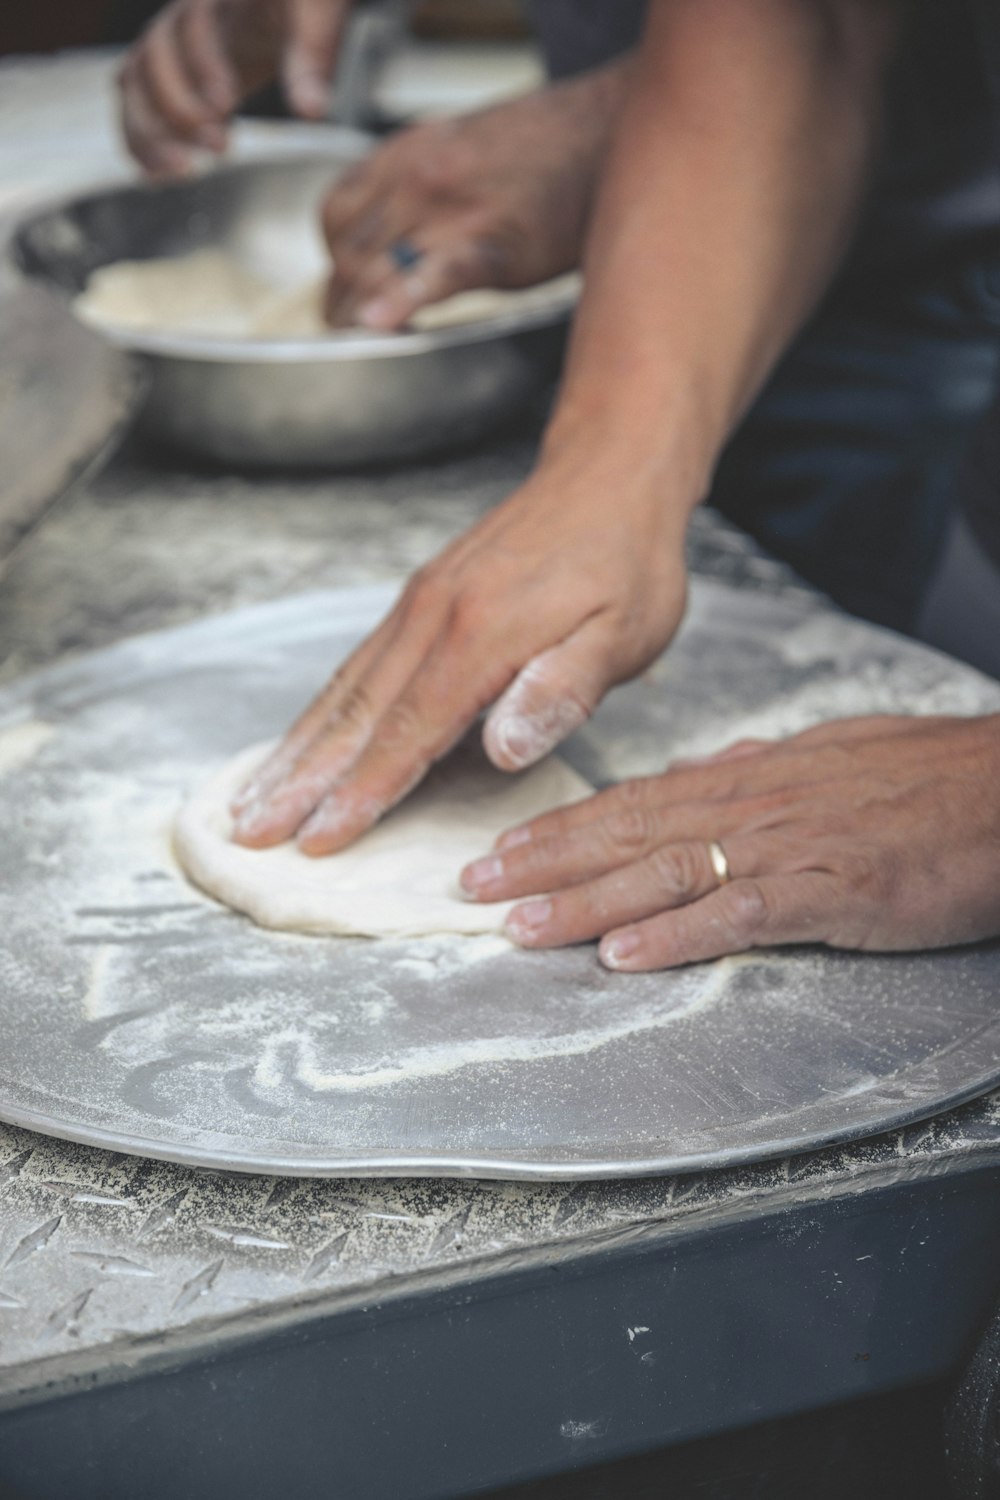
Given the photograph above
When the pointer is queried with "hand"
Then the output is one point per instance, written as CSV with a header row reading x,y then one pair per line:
x,y
199,59
568,587
876,833
499,198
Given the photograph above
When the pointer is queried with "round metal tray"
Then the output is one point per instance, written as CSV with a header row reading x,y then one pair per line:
x,y
139,1015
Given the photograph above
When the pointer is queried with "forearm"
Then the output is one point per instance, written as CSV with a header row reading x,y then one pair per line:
x,y
739,166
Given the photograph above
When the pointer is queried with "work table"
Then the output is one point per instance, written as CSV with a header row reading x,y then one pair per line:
x,y
519,1328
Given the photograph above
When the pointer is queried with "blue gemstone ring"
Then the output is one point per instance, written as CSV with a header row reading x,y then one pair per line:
x,y
404,254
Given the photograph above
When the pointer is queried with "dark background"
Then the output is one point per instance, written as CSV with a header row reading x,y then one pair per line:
x,y
51,25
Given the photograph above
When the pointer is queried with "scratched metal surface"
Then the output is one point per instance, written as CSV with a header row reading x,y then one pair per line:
x,y
139,1015
109,1263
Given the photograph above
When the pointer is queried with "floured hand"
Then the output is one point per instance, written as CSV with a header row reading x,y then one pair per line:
x,y
564,590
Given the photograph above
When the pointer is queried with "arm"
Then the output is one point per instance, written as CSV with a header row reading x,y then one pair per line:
x,y
740,165
738,169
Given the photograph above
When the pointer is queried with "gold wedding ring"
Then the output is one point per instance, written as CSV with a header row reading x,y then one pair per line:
x,y
720,863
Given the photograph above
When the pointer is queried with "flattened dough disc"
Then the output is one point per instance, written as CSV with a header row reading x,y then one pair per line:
x,y
400,880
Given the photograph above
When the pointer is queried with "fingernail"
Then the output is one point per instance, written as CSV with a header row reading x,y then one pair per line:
x,y
309,94
326,819
615,952
378,314
481,872
513,838
520,741
251,819
339,820
526,921
245,799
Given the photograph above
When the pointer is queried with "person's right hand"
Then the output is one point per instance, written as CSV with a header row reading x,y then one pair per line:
x,y
199,59
573,584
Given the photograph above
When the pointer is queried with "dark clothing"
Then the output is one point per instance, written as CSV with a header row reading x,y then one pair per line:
x,y
577,35
979,489
847,465
961,612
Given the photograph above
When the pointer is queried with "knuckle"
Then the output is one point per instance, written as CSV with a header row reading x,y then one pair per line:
x,y
767,810
463,266
674,869
544,854
356,711
633,793
629,829
419,587
867,871
746,910
427,590
400,727
469,618
441,167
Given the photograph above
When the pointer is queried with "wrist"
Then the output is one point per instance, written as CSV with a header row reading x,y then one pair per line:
x,y
606,492
664,460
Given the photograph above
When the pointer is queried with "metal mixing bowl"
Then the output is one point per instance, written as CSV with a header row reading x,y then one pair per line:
x,y
356,399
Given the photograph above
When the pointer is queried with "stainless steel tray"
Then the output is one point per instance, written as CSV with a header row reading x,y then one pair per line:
x,y
138,1015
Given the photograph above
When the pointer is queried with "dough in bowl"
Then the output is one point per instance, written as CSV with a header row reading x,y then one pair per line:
x,y
399,880
211,294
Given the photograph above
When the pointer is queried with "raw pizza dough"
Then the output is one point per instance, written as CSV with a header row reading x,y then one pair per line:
x,y
210,294
400,880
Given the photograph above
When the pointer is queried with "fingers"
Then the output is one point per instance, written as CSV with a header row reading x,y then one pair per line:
x,y
333,732
315,29
423,724
323,713
588,851
551,696
362,276
207,60
629,798
670,876
755,912
734,751
176,91
814,758
451,261
470,663
147,135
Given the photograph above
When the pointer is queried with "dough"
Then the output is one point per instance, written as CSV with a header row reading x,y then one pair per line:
x,y
400,880
209,293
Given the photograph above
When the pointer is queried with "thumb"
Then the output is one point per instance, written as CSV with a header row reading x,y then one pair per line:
x,y
315,29
554,694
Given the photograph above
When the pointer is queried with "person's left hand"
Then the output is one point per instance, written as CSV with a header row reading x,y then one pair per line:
x,y
874,833
498,198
